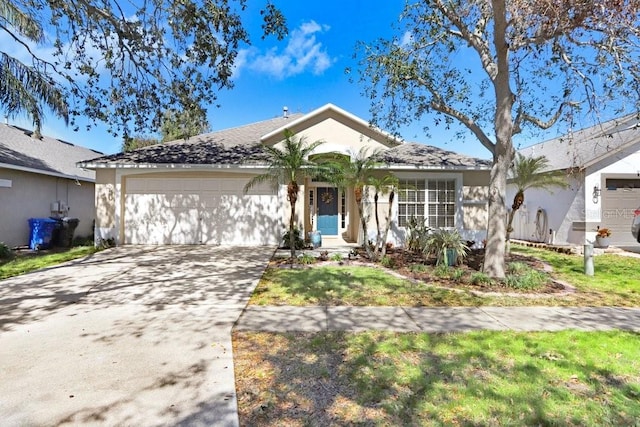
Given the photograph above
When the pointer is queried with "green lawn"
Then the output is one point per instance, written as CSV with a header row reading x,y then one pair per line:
x,y
482,378
616,283
616,280
359,286
34,261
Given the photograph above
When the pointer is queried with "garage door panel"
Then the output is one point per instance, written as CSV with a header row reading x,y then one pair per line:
x,y
620,198
194,210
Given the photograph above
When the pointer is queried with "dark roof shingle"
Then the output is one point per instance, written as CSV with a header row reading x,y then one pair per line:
x,y
228,147
414,154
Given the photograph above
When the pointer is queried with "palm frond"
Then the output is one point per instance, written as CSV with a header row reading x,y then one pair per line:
x,y
23,23
23,88
532,172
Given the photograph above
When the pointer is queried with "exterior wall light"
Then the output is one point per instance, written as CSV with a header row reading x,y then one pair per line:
x,y
596,194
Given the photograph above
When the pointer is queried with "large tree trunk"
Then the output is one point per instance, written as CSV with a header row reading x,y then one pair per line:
x,y
494,258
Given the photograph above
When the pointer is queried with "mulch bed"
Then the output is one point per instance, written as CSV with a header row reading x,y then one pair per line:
x,y
401,262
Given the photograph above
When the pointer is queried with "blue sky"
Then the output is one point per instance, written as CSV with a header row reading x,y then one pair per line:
x,y
302,72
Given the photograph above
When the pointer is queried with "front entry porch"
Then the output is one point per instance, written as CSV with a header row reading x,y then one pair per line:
x,y
331,212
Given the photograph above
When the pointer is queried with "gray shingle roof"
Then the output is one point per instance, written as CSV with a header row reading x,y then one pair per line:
x,y
241,145
588,145
423,155
229,147
49,155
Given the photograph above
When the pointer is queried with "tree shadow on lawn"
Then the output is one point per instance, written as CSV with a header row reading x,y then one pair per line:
x,y
343,285
409,379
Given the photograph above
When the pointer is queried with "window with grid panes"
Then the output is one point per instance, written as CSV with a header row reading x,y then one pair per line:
x,y
432,199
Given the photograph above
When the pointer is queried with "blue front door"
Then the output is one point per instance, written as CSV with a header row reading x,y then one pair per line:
x,y
328,211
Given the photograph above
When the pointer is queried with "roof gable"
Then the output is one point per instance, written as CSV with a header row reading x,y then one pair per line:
x,y
331,112
49,156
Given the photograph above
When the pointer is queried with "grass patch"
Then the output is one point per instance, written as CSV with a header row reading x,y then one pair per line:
x,y
615,282
25,263
483,378
357,286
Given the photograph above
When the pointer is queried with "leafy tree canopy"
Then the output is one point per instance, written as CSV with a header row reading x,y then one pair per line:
x,y
126,63
175,125
497,67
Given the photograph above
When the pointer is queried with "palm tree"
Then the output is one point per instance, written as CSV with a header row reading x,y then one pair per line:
x,y
387,184
24,88
528,172
355,173
287,166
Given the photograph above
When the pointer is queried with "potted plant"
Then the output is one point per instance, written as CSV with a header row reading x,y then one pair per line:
x,y
447,245
602,237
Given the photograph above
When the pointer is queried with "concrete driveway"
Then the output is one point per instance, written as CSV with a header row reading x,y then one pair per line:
x,y
129,336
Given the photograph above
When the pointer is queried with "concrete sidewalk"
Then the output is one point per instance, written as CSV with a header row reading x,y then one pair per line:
x,y
427,319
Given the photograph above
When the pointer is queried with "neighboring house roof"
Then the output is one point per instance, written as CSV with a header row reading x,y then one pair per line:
x,y
421,155
47,156
243,146
585,147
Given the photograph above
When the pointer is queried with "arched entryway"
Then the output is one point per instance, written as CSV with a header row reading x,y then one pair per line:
x,y
328,208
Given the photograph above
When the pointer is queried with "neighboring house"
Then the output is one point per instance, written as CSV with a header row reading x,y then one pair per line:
x,y
39,179
603,169
191,191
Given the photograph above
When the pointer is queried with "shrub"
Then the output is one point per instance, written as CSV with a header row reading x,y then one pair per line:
x,y
457,274
517,268
5,251
336,257
442,271
417,234
306,259
387,262
480,278
440,241
526,279
418,268
298,241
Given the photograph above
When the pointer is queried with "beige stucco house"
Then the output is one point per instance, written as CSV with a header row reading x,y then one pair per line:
x,y
39,179
191,191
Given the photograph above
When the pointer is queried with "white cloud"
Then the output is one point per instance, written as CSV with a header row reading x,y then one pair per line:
x,y
302,53
407,39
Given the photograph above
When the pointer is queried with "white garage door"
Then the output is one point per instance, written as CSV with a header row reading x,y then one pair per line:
x,y
169,211
620,198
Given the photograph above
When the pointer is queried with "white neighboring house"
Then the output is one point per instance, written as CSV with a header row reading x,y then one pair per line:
x,y
39,179
603,170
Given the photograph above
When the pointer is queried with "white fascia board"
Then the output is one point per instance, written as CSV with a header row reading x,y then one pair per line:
x,y
404,168
47,173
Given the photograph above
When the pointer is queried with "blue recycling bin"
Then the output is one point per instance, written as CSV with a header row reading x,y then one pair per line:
x,y
41,232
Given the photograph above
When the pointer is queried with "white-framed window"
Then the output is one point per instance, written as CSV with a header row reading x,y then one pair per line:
x,y
433,199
